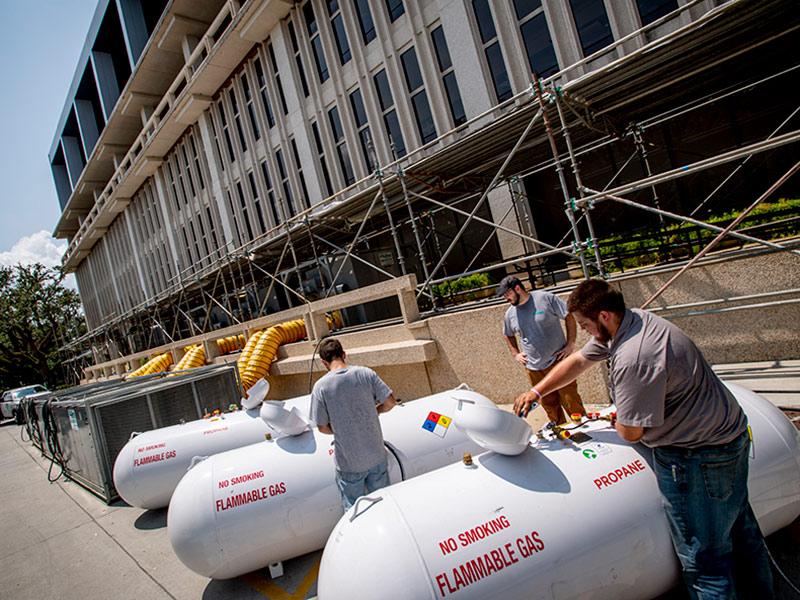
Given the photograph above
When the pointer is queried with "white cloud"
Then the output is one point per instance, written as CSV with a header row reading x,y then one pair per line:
x,y
38,247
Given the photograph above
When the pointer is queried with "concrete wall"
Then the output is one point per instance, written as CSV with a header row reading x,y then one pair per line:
x,y
471,349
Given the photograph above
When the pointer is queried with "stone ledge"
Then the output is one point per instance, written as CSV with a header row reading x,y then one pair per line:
x,y
400,353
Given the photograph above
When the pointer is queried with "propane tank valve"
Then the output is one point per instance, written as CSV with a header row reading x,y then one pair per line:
x,y
467,459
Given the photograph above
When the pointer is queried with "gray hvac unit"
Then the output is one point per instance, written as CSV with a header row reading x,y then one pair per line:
x,y
92,428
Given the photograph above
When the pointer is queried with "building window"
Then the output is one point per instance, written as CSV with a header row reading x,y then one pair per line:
x,y
256,202
448,76
326,176
298,61
652,10
287,188
419,99
226,131
390,120
251,112
341,146
591,20
536,37
299,169
245,218
277,77
365,22
395,9
262,88
270,193
237,119
339,34
491,49
316,42
362,126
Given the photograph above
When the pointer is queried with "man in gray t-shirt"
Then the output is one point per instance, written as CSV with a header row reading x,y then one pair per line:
x,y
345,402
535,317
668,398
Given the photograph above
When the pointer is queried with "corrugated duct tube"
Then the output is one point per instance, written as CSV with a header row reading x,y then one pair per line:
x,y
157,364
244,357
266,349
195,357
230,343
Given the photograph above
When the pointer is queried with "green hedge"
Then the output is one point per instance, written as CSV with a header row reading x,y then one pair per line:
x,y
462,284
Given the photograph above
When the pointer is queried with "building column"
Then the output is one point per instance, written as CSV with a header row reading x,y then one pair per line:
x,y
84,111
72,156
134,28
106,79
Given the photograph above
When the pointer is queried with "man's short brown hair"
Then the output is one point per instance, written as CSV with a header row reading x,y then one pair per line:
x,y
593,296
330,349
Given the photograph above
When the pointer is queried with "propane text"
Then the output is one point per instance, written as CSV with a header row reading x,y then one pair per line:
x,y
619,474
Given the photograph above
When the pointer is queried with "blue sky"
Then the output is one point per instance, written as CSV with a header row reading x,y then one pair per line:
x,y
40,41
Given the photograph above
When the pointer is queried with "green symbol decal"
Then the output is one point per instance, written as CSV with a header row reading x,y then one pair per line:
x,y
590,454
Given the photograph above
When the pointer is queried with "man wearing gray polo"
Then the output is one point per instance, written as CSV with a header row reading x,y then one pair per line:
x,y
667,397
345,402
535,317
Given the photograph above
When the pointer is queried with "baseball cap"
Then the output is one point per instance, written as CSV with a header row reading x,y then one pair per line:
x,y
509,282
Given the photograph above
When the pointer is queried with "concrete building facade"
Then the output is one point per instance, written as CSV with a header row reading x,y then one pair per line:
x,y
197,133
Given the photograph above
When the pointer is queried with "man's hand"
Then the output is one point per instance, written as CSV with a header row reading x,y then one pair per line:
x,y
568,349
524,402
521,358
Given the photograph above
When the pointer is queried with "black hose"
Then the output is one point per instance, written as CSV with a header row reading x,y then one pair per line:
x,y
53,445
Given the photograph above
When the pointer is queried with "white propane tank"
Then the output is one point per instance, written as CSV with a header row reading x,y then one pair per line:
x,y
151,464
247,508
563,520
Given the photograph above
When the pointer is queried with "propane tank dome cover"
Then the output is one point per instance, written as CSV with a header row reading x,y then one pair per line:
x,y
492,428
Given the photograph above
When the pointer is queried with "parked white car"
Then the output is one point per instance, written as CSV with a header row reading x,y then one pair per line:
x,y
9,407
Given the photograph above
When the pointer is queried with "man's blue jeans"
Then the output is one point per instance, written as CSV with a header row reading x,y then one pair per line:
x,y
354,485
714,531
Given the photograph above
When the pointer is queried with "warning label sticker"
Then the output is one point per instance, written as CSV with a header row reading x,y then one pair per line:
x,y
436,423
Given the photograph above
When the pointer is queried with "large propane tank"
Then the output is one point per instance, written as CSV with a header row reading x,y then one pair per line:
x,y
247,508
151,464
562,520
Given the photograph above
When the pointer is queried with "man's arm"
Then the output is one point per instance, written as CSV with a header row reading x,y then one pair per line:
x,y
572,330
512,345
325,429
387,405
629,434
564,373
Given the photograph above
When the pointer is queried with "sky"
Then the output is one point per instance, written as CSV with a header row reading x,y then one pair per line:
x,y
40,42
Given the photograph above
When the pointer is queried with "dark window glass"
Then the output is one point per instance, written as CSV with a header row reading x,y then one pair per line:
x,y
411,69
365,20
454,98
256,202
319,59
336,124
311,19
278,85
344,162
440,45
395,9
539,47
262,86
383,89
237,118
395,134
251,113
591,20
483,15
357,104
271,196
317,138
422,110
326,176
525,7
298,60
223,119
502,86
287,189
341,39
651,10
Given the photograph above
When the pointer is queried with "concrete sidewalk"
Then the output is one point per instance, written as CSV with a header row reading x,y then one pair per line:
x,y
61,542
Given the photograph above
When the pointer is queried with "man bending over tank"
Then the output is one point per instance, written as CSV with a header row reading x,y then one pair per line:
x,y
345,402
668,398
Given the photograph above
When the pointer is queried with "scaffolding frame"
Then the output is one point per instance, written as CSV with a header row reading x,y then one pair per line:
x,y
576,118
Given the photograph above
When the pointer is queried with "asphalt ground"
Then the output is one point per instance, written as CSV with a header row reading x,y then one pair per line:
x,y
61,542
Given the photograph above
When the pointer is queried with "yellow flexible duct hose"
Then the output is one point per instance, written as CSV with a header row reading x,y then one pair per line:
x,y
244,357
182,362
157,364
267,348
194,357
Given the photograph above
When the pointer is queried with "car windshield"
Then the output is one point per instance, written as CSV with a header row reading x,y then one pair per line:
x,y
27,391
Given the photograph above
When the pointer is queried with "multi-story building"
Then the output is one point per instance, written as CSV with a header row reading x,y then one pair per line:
x,y
219,159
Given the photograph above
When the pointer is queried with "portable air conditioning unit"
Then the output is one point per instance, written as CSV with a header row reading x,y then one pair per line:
x,y
93,425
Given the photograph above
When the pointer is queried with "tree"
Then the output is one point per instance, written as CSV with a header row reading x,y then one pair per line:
x,y
38,315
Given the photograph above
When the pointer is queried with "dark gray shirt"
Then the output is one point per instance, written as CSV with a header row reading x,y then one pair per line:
x,y
346,399
537,322
660,381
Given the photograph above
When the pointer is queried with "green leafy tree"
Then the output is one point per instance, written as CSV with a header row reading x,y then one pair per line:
x,y
38,316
